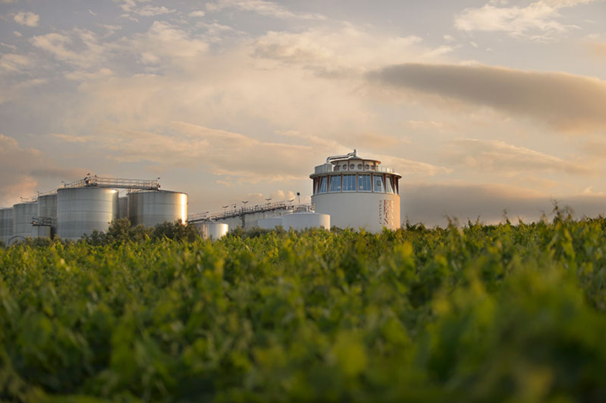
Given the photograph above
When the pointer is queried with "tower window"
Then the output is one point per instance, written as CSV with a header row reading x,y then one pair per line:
x,y
335,183
364,183
349,183
379,184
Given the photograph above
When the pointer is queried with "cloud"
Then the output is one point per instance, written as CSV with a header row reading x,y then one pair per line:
x,y
408,167
14,63
597,49
342,51
197,13
27,19
261,7
152,11
498,156
431,204
541,16
566,102
80,48
164,42
21,169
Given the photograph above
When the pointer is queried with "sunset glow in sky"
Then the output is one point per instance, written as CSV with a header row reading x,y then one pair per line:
x,y
481,105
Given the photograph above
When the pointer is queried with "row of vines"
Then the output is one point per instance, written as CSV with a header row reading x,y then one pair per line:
x,y
505,313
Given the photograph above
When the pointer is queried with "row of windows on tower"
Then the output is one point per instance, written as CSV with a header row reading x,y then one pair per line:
x,y
356,183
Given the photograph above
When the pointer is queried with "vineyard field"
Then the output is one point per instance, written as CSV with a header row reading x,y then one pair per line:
x,y
480,313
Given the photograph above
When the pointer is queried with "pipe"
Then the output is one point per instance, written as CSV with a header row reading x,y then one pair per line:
x,y
342,157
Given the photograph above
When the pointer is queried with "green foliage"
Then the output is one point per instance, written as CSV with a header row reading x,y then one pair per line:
x,y
482,313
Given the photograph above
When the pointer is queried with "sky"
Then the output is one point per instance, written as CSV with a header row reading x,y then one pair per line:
x,y
487,108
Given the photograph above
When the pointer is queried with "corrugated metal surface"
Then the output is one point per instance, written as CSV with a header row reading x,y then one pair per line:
x,y
6,224
82,210
123,207
47,207
152,208
41,232
23,215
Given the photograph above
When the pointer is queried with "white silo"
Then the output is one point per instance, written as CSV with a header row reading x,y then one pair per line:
x,y
357,193
305,220
82,210
47,216
212,230
23,216
6,224
151,208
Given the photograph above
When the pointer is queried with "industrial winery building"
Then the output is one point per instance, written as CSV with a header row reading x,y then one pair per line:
x,y
347,192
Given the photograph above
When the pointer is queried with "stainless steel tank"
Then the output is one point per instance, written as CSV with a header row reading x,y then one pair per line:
x,y
23,215
47,207
6,224
122,207
156,207
41,232
82,210
212,230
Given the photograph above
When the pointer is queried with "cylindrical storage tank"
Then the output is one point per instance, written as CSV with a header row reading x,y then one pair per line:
x,y
212,230
357,193
47,207
23,215
301,221
123,207
156,207
82,210
6,224
270,223
41,231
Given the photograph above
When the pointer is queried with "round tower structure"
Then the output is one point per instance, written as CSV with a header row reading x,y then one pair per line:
x,y
357,193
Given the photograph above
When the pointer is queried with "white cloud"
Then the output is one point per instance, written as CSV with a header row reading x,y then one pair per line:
x,y
500,157
64,47
152,11
21,169
541,16
15,63
27,19
261,7
198,13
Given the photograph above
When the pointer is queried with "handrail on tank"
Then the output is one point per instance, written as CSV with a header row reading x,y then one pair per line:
x,y
95,181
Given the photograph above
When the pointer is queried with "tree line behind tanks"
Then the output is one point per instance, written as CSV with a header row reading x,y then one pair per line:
x,y
483,313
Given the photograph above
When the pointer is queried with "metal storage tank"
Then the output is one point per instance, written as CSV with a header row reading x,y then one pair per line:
x,y
270,222
47,208
155,207
82,210
301,221
41,231
6,224
212,230
123,207
23,215
357,193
